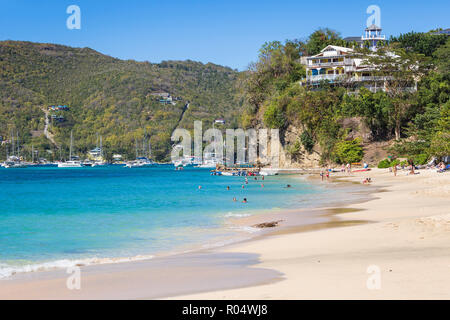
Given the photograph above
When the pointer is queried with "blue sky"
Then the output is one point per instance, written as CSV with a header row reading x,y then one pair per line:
x,y
224,32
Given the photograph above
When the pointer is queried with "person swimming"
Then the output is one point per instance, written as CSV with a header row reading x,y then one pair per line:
x,y
245,200
228,187
234,199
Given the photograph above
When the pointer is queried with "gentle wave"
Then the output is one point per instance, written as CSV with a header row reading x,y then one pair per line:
x,y
236,215
7,271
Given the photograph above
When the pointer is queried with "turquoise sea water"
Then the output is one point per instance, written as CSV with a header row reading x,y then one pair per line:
x,y
54,214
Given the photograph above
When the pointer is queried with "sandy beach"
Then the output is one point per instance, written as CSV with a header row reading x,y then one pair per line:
x,y
393,246
404,253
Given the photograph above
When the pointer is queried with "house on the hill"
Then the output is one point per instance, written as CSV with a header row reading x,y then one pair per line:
x,y
444,32
338,65
58,108
165,98
343,66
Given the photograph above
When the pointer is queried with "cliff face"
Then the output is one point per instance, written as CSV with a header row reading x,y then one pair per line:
x,y
355,128
302,158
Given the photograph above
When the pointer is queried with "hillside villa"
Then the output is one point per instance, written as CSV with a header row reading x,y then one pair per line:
x,y
339,65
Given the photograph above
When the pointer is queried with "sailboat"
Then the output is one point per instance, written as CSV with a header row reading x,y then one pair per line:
x,y
14,161
100,161
71,163
141,162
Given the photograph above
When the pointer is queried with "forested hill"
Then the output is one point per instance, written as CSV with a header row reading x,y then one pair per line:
x,y
105,95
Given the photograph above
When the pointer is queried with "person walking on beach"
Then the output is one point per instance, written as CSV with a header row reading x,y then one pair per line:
x,y
395,170
412,167
321,175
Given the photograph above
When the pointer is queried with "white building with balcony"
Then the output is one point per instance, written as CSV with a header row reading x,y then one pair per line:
x,y
339,65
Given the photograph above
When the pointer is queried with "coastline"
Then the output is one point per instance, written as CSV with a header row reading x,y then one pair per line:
x,y
32,279
270,265
405,246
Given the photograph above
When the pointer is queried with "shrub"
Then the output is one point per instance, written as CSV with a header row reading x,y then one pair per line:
x,y
348,151
383,164
274,117
294,149
420,158
307,141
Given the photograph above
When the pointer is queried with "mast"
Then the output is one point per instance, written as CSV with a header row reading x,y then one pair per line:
x,y
32,153
101,147
135,140
18,145
71,142
149,149
13,145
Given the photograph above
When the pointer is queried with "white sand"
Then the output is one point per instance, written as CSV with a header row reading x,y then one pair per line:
x,y
408,242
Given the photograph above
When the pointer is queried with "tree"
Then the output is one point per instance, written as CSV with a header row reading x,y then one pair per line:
x,y
440,143
442,56
348,151
321,38
417,42
277,67
400,71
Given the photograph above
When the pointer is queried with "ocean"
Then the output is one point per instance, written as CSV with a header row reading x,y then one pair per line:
x,y
53,217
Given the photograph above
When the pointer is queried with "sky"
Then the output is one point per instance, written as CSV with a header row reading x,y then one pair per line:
x,y
228,33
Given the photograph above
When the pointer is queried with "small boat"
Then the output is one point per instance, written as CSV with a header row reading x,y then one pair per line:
x,y
140,163
70,164
268,172
14,162
73,162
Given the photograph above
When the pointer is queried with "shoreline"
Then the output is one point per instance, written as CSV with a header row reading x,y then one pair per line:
x,y
319,217
256,268
237,224
404,246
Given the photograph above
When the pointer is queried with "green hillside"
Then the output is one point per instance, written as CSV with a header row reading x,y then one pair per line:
x,y
105,95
